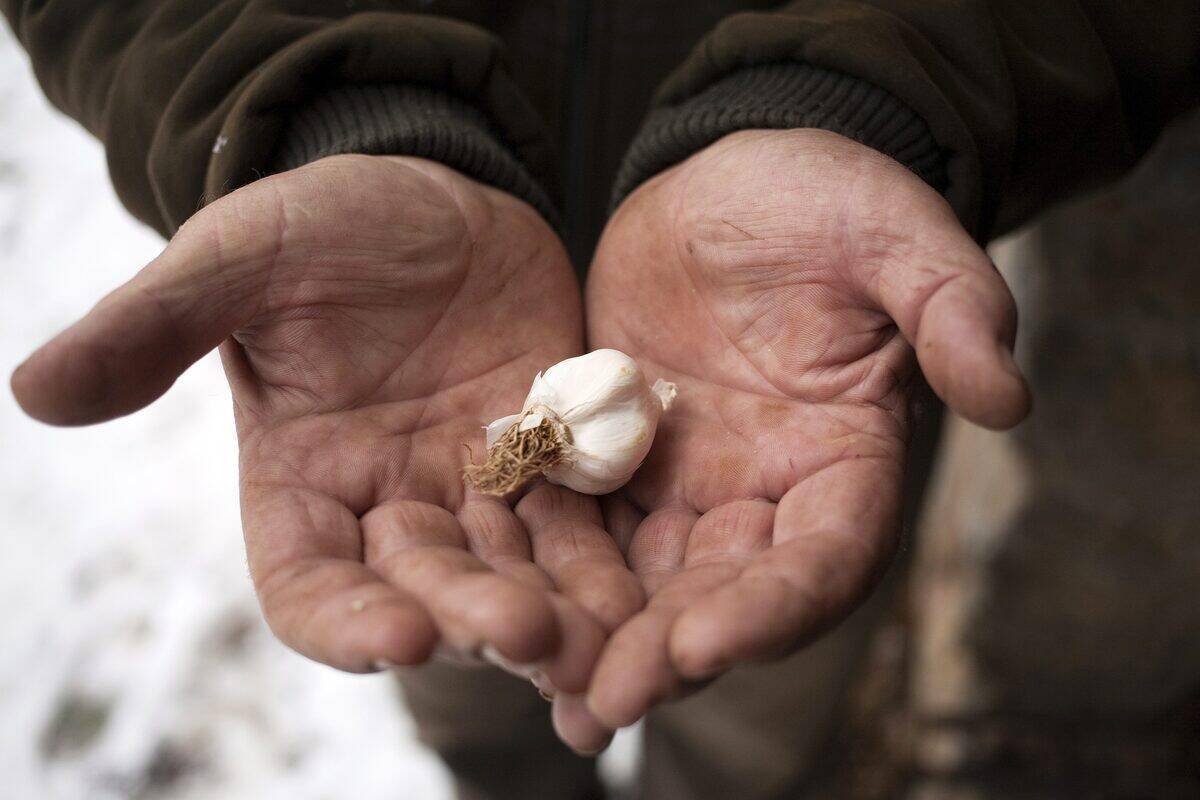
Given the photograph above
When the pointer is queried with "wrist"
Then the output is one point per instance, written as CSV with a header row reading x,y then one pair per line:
x,y
411,121
782,96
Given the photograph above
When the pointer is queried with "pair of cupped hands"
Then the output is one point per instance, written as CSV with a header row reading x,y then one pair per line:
x,y
374,312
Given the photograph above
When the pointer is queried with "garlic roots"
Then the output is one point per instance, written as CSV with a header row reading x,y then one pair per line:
x,y
587,424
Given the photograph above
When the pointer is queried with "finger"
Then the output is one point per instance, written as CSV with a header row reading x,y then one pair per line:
x,y
658,547
421,548
635,672
305,556
570,544
569,668
576,725
834,535
500,540
130,348
954,307
738,529
621,519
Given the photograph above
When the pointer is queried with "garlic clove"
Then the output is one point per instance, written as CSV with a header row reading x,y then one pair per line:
x,y
580,385
588,475
608,444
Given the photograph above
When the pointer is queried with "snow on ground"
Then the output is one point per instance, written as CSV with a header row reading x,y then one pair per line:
x,y
134,662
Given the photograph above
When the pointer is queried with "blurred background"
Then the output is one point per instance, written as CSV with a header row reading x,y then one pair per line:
x,y
135,663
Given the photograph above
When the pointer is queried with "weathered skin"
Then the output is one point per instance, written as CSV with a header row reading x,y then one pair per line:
x,y
357,303
782,280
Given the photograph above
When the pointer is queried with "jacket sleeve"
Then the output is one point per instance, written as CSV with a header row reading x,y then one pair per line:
x,y
193,100
1004,105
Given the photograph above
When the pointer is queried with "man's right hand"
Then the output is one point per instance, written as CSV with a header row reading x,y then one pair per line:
x,y
373,313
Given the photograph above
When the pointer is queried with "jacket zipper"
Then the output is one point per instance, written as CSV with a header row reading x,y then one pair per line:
x,y
576,180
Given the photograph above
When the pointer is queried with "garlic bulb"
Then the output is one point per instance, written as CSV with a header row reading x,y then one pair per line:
x,y
587,424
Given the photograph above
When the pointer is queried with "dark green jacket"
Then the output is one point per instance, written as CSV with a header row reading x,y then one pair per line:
x,y
1005,106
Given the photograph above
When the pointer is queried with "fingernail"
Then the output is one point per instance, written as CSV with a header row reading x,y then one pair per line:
x,y
451,655
540,682
383,665
493,656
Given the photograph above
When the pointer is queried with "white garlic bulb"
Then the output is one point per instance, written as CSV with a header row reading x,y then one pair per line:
x,y
587,424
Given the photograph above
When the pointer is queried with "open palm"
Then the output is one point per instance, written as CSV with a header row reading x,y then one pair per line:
x,y
373,313
782,279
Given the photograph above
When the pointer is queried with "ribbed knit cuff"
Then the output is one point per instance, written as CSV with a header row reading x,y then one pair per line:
x,y
784,95
387,119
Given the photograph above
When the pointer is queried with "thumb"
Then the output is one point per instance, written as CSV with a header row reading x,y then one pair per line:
x,y
957,312
128,350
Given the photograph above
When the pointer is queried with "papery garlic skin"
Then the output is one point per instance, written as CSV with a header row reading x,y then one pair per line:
x,y
608,412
